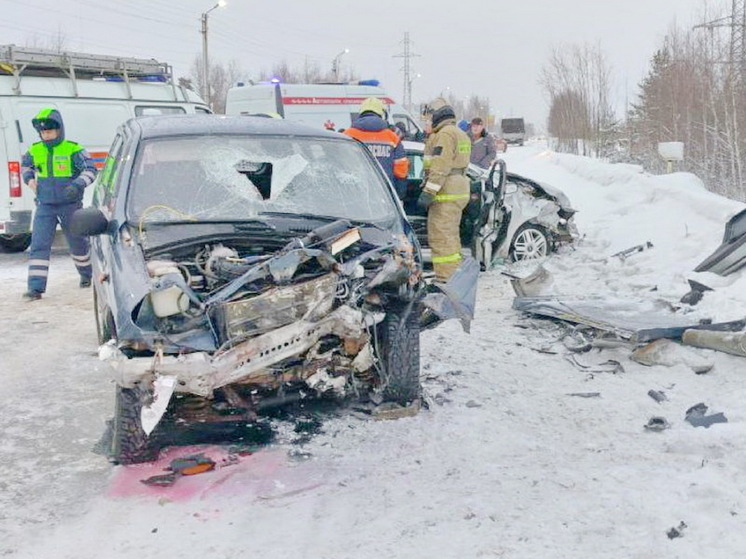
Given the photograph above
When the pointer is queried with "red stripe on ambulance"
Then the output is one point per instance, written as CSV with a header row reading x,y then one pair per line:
x,y
330,100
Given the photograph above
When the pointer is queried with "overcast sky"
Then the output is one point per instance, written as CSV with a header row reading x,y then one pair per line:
x,y
493,48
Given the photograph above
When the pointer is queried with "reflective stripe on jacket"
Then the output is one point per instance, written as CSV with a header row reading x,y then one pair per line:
x,y
383,143
57,167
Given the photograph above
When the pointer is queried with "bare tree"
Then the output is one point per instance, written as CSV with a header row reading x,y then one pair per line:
x,y
577,80
57,42
310,72
220,78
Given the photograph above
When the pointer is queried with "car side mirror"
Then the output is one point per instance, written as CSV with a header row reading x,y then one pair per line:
x,y
88,222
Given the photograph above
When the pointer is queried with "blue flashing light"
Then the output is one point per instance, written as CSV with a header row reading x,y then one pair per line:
x,y
275,80
153,78
374,83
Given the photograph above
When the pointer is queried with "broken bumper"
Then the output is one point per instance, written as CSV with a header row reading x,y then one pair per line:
x,y
201,373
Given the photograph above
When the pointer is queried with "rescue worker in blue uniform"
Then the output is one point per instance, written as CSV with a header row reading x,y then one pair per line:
x,y
385,144
58,171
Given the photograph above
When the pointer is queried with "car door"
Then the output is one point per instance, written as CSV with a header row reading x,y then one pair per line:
x,y
492,219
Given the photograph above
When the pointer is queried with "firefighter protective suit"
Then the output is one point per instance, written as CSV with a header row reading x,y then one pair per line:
x,y
447,152
62,170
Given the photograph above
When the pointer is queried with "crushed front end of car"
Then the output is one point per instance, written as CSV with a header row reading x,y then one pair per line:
x,y
243,296
237,336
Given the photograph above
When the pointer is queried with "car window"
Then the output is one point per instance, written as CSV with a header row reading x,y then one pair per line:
x,y
153,110
416,165
226,177
406,123
107,177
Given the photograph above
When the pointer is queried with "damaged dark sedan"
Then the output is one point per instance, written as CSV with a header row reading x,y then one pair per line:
x,y
242,263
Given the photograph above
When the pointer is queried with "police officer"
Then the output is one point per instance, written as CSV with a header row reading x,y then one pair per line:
x,y
445,193
385,144
57,171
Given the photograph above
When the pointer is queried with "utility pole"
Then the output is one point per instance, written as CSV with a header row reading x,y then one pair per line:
x,y
205,60
407,69
205,77
737,23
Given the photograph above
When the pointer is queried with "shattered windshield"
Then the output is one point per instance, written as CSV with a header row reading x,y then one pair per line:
x,y
222,177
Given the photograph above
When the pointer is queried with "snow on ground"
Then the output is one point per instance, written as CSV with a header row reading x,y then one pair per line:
x,y
508,461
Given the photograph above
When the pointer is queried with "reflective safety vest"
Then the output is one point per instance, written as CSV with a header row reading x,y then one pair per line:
x,y
56,161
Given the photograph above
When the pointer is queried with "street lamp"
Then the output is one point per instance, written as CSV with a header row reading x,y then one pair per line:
x,y
335,64
205,61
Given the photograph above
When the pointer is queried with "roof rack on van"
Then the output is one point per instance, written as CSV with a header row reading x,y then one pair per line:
x,y
48,63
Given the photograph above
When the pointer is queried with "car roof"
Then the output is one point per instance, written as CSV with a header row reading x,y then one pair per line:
x,y
203,124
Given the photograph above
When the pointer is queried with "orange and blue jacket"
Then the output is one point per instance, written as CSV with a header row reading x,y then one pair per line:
x,y
385,146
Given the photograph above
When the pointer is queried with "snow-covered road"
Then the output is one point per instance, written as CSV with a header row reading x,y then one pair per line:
x,y
508,461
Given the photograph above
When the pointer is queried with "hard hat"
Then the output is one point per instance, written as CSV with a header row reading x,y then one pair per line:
x,y
373,105
438,110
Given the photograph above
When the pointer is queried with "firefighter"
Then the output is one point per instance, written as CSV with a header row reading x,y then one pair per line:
x,y
371,129
57,171
446,190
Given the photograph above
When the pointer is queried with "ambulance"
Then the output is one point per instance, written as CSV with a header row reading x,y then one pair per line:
x,y
94,94
331,106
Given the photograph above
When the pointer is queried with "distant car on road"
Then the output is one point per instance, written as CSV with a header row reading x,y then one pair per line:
x,y
509,216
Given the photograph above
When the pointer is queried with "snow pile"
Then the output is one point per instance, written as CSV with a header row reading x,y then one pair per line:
x,y
620,207
526,452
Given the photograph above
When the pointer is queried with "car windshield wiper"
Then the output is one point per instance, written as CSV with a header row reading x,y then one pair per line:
x,y
330,218
239,224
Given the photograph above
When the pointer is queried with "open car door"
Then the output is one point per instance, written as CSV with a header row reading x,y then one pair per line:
x,y
492,219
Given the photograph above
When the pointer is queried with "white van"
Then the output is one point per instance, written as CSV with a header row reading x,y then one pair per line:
x,y
331,106
94,94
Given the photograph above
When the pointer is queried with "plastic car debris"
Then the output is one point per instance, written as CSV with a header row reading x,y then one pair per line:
x,y
585,394
658,395
535,283
457,298
191,465
696,416
657,423
609,366
632,250
677,531
695,294
627,319
164,480
184,466
731,254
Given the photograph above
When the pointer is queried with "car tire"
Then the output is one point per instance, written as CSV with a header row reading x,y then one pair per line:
x,y
15,243
530,242
399,355
130,444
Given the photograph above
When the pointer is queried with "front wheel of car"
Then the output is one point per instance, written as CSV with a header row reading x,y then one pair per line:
x,y
399,355
529,243
130,444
